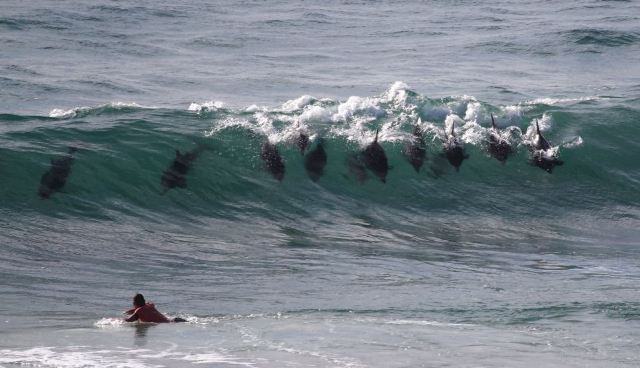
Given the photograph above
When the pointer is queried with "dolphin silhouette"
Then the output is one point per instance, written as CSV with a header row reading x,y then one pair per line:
x,y
499,148
55,178
415,150
302,141
541,154
272,160
375,159
175,175
315,161
454,149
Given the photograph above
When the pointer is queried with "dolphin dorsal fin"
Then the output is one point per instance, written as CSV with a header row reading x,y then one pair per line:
x,y
178,154
543,143
493,122
453,127
376,140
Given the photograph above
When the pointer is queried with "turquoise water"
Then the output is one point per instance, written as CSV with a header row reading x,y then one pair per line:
x,y
492,265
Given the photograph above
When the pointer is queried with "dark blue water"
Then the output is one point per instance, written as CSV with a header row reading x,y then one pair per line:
x,y
494,264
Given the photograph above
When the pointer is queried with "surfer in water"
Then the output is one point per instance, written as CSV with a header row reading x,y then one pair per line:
x,y
147,312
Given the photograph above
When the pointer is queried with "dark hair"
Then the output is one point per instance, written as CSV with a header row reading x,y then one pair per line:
x,y
138,300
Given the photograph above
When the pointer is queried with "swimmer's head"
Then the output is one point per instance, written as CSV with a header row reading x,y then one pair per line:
x,y
138,300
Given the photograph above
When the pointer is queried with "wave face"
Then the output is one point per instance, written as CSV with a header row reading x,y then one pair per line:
x,y
123,150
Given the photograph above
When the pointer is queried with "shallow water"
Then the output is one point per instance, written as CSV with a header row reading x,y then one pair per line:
x,y
495,265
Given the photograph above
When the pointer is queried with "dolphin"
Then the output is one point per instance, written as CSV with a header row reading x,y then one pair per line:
x,y
539,142
375,159
415,150
454,149
545,162
174,176
541,154
53,180
499,148
315,161
302,141
272,160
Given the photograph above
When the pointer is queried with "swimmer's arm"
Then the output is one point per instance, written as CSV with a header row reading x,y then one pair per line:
x,y
133,318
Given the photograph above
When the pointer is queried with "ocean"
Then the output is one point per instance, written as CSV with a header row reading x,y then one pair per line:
x,y
134,157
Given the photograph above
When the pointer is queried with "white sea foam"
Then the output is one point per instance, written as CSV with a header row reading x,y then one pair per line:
x,y
367,106
396,93
256,108
229,123
316,114
560,101
70,357
215,358
88,357
574,142
352,119
66,114
511,114
110,322
73,112
473,111
298,103
264,124
118,104
206,106
426,323
202,320
473,133
357,131
460,104
295,115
